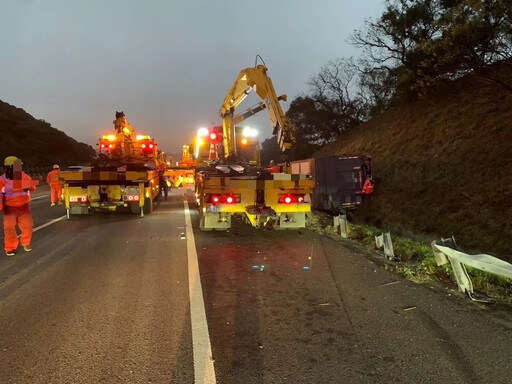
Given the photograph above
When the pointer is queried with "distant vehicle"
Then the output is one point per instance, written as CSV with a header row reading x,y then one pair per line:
x,y
126,175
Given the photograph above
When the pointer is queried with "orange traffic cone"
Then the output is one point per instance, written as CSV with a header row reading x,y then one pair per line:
x,y
213,153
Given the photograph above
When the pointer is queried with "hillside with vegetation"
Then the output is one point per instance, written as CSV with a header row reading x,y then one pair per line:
x,y
430,99
442,164
36,142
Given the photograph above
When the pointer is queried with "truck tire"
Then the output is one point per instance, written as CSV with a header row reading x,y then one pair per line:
x,y
134,207
148,205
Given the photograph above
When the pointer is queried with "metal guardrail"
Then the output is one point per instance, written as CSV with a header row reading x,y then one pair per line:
x,y
36,173
448,252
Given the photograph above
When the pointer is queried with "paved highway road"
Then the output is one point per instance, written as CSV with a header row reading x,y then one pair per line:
x,y
115,298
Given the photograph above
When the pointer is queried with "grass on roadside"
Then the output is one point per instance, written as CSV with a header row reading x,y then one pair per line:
x,y
416,260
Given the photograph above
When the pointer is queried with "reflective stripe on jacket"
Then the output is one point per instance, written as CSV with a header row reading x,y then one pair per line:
x,y
16,195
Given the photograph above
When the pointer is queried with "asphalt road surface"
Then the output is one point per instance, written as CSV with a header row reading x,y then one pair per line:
x,y
116,298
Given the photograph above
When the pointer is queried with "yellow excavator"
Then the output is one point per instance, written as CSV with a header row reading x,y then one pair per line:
x,y
234,188
254,79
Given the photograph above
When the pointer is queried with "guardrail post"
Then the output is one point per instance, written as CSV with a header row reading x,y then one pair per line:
x,y
344,230
384,240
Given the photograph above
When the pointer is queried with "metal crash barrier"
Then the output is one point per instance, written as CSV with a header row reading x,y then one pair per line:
x,y
384,240
447,252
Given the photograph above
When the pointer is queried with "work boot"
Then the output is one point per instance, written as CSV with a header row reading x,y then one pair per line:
x,y
10,253
53,205
59,203
27,248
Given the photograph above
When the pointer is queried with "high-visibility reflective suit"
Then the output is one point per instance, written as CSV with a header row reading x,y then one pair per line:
x,y
55,186
274,169
368,186
16,197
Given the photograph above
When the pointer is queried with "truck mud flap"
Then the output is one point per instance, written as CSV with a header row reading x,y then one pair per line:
x,y
74,210
291,220
218,221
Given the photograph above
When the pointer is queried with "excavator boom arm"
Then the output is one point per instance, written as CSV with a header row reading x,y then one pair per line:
x,y
255,79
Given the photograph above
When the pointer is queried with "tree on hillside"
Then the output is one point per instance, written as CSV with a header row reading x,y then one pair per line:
x,y
475,34
333,105
335,90
391,44
416,44
270,151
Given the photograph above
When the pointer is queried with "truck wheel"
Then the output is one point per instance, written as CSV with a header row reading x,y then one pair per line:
x,y
148,205
134,207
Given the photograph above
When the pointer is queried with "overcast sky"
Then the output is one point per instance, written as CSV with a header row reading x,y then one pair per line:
x,y
167,64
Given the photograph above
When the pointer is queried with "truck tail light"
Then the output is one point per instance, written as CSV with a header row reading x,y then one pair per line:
x,y
231,199
291,199
225,199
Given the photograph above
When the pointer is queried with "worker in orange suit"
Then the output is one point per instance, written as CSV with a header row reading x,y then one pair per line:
x,y
273,167
15,187
368,186
55,185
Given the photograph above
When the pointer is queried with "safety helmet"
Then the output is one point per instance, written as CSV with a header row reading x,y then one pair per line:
x,y
56,166
10,160
272,162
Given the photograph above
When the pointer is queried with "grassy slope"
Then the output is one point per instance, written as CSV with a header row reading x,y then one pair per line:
x,y
443,166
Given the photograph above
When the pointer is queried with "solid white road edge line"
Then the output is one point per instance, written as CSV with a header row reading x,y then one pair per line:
x,y
204,372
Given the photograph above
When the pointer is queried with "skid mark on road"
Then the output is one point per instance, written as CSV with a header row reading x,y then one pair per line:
x,y
204,371
452,350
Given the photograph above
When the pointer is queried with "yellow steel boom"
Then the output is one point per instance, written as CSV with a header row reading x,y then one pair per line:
x,y
255,79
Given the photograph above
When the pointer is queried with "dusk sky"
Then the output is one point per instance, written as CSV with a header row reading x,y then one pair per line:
x,y
167,64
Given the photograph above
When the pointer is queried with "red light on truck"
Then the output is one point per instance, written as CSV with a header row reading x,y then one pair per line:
x,y
215,199
230,199
291,199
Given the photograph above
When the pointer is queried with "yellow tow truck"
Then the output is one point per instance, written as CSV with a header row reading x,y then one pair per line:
x,y
126,175
232,186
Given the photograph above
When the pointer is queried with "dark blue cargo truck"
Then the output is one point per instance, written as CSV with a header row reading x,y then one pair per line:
x,y
339,180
